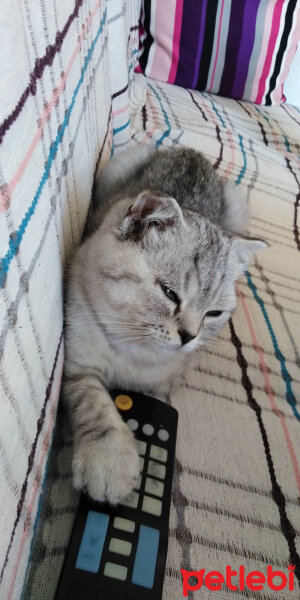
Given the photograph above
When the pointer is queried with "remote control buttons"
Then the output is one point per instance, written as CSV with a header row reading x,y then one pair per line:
x,y
130,500
120,546
132,424
156,469
148,429
123,402
115,571
154,487
141,446
158,453
124,524
146,557
152,506
92,542
163,435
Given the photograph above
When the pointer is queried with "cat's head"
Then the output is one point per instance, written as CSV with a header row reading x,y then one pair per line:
x,y
172,278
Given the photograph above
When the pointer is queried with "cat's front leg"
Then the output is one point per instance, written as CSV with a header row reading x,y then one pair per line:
x,y
105,460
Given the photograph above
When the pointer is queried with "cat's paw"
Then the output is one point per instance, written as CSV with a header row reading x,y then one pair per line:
x,y
107,468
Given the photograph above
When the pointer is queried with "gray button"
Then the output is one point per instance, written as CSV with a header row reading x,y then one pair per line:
x,y
154,487
163,435
138,483
132,424
141,463
130,500
148,429
141,446
156,469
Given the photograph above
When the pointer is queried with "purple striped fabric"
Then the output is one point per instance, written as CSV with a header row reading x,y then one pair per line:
x,y
191,19
200,43
235,36
246,46
239,48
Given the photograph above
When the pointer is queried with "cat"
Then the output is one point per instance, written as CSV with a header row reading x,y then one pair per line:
x,y
154,278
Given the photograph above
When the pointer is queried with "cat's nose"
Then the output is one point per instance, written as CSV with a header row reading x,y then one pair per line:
x,y
185,336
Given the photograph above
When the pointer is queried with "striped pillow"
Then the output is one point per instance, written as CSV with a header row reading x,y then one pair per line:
x,y
237,48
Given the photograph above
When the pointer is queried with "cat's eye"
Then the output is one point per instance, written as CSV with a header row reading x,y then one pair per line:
x,y
169,293
214,313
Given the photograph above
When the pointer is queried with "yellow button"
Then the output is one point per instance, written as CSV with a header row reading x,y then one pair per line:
x,y
123,402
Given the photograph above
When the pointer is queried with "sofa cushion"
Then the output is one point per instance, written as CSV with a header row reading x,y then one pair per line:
x,y
239,49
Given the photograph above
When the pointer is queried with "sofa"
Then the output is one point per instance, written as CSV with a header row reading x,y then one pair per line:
x,y
70,100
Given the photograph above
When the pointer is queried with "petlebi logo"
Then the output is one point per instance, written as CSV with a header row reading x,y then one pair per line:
x,y
238,580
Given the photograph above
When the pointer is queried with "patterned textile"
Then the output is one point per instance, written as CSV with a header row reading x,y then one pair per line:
x,y
60,103
237,476
238,48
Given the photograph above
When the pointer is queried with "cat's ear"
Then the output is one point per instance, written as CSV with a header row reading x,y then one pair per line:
x,y
150,209
245,248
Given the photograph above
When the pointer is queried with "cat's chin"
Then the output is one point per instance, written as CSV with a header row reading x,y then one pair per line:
x,y
159,350
156,350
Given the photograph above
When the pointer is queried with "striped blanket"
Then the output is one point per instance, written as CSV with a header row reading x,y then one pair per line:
x,y
71,101
61,105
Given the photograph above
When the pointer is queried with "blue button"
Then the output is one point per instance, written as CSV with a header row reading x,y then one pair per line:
x,y
92,542
146,557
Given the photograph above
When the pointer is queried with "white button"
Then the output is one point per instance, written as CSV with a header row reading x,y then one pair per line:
x,y
152,506
158,453
115,571
163,435
132,424
148,429
141,446
141,463
156,469
124,524
120,546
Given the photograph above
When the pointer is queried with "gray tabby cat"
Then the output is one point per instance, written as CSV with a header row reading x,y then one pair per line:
x,y
154,279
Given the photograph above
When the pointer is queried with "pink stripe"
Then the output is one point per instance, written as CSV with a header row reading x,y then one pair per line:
x,y
176,41
36,486
6,193
120,111
163,35
218,45
269,390
277,93
272,41
263,51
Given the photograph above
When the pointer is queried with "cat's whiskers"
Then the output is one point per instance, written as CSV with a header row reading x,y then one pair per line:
x,y
117,324
144,337
119,317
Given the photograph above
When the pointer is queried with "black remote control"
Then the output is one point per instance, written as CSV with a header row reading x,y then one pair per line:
x,y
119,553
